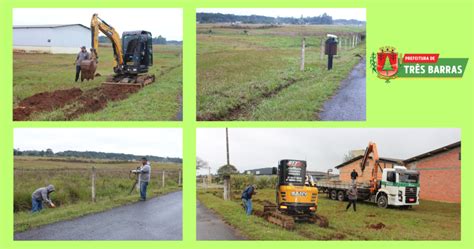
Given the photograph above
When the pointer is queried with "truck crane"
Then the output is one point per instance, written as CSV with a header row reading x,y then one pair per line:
x,y
398,186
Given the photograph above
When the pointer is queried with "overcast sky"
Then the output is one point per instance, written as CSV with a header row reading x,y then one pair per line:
x,y
166,22
138,141
336,13
323,148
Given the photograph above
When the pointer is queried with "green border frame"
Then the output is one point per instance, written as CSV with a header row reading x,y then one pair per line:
x,y
405,24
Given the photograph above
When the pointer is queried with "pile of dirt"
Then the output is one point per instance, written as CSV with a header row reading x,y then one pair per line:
x,y
377,226
77,101
45,101
96,99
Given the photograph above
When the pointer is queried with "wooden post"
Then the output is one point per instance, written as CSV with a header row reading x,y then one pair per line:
x,y
179,178
302,54
163,179
93,185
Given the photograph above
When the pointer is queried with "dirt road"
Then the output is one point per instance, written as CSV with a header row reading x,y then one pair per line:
x,y
349,102
210,227
156,219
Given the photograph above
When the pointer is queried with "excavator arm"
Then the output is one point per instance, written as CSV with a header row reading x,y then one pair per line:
x,y
97,25
372,149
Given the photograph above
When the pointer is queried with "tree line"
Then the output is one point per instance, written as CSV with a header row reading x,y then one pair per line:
x,y
257,19
94,155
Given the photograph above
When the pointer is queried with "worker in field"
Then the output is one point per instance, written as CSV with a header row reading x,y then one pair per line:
x,y
143,177
247,194
41,195
354,176
352,196
82,55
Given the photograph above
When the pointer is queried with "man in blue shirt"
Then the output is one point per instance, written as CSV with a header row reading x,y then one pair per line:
x,y
247,198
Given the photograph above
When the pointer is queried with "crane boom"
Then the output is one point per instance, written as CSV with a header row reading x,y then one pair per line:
x,y
97,25
372,149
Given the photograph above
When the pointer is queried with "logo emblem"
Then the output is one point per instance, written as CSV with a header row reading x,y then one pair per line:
x,y
387,63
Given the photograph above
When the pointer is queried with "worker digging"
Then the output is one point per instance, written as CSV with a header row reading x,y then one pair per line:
x,y
40,196
247,194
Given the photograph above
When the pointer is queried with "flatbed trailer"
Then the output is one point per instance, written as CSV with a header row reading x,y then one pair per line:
x,y
397,187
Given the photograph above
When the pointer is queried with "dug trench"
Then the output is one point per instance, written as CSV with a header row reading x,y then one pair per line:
x,y
242,109
74,101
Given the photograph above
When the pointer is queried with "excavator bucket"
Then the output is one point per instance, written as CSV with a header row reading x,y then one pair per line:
x,y
321,221
88,68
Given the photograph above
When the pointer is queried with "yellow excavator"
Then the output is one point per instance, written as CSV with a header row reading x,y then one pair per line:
x,y
133,55
296,196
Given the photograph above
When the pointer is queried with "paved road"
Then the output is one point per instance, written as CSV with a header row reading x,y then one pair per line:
x,y
349,102
211,227
156,219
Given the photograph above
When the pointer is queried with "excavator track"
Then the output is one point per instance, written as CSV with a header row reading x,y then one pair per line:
x,y
272,215
137,80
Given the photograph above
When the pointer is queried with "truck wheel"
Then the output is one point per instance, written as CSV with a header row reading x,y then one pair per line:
x,y
333,194
341,196
382,201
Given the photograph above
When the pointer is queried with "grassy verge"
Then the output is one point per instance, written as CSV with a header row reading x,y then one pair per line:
x,y
72,180
428,221
35,73
25,220
255,76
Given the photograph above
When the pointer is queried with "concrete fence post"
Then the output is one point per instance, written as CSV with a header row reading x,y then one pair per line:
x,y
93,185
163,179
302,54
227,190
179,178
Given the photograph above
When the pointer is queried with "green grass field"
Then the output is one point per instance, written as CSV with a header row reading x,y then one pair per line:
x,y
252,73
72,179
428,221
35,73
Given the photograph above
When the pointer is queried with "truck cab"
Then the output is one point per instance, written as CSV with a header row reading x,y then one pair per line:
x,y
398,187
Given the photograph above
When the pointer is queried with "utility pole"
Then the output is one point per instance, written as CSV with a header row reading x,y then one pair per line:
x,y
227,194
227,144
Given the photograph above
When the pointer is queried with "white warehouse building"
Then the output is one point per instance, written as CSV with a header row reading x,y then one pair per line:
x,y
55,39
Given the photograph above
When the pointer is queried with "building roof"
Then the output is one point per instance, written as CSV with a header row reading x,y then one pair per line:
x,y
433,152
262,171
382,159
47,26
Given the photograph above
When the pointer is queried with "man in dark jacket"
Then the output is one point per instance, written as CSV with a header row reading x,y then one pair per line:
x,y
39,196
352,196
247,198
354,176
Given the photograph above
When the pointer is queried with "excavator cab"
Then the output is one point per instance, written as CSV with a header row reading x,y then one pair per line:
x,y
137,51
294,195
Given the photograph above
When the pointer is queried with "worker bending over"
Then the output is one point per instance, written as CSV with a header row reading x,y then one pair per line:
x,y
41,195
247,198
